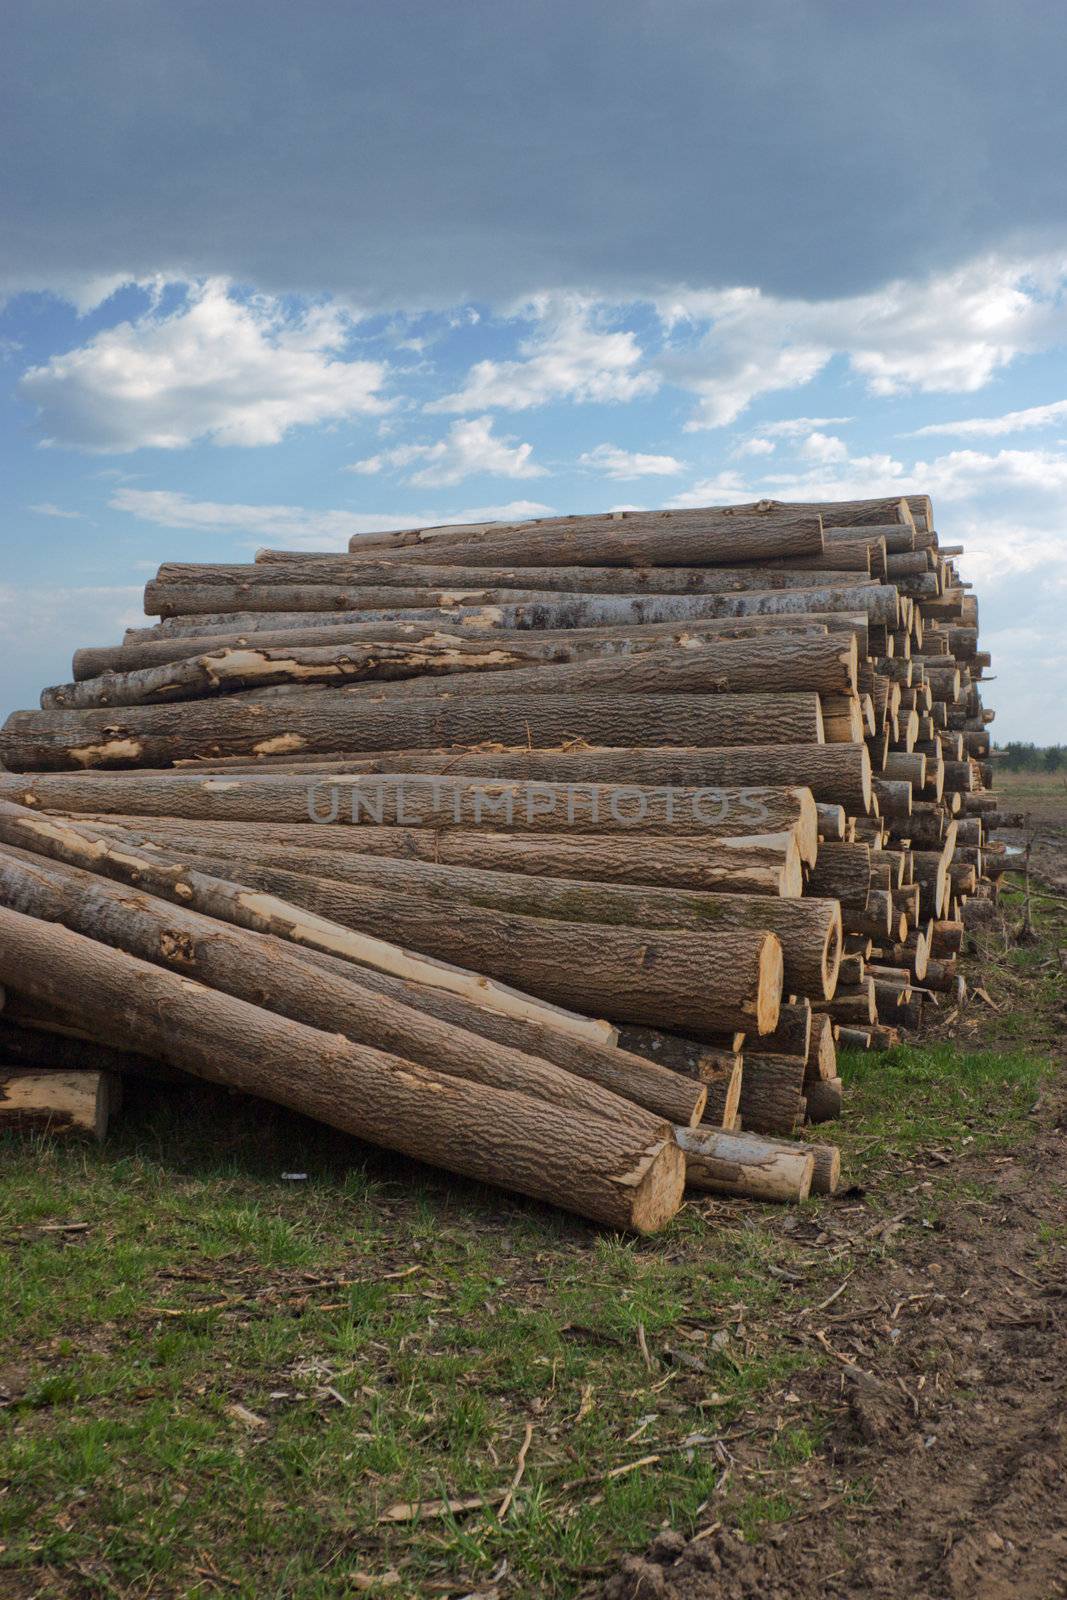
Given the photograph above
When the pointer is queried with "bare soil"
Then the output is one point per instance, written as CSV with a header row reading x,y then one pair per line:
x,y
942,1470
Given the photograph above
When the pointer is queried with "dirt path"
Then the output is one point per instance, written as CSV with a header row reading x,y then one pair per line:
x,y
942,1472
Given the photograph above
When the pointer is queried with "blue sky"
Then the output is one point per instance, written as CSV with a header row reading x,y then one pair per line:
x,y
277,284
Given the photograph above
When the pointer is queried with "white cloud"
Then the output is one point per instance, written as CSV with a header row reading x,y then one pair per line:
x,y
795,427
469,448
47,508
233,372
299,527
823,447
574,354
951,332
994,427
614,462
755,447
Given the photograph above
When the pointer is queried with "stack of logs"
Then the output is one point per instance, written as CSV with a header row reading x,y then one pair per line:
x,y
384,835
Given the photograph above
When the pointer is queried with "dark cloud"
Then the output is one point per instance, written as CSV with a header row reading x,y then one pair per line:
x,y
423,151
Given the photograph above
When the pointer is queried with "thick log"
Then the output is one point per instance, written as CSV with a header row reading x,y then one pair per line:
x,y
54,1041
152,647
821,1059
826,663
740,1164
842,872
516,608
824,1100
772,1091
946,939
682,861
809,930
603,1170
658,976
159,874
240,963
838,774
853,513
827,1171
57,1101
776,663
880,920
852,1005
273,568
331,720
712,536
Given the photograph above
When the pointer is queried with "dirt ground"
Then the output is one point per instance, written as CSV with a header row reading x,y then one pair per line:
x,y
943,1471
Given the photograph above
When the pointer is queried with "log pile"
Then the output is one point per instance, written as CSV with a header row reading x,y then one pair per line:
x,y
563,854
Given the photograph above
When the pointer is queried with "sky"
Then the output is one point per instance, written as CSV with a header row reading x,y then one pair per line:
x,y
271,275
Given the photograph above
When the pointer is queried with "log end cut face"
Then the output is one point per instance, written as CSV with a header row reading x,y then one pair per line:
x,y
658,1186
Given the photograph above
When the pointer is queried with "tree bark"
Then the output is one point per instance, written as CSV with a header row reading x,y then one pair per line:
x,y
679,861
272,569
809,930
740,1164
824,1100
772,1089
825,664
52,1041
715,536
658,976
603,1170
332,721
519,608
239,963
842,872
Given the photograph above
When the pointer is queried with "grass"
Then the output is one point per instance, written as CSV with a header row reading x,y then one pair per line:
x,y
224,1381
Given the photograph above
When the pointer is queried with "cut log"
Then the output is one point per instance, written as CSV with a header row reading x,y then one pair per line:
x,y
822,1052
684,861
53,1041
772,1091
239,963
331,721
514,608
824,1099
842,872
77,845
706,537
809,930
273,568
57,1101
699,666
603,1170
740,1164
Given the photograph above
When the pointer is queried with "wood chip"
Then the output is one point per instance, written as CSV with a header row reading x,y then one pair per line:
x,y
414,1510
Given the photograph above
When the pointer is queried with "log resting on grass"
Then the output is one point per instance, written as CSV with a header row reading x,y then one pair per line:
x,y
57,1101
241,963
156,873
679,861
607,1171
331,721
740,1164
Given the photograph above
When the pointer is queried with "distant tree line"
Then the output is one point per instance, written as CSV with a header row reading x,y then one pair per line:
x,y
1019,757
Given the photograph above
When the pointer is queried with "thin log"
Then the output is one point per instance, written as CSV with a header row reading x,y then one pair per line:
x,y
58,1101
740,1164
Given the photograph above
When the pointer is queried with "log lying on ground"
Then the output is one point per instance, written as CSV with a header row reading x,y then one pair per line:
x,y
741,1164
824,1100
706,537
603,1170
78,845
682,861
58,1101
240,963
332,721
785,663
